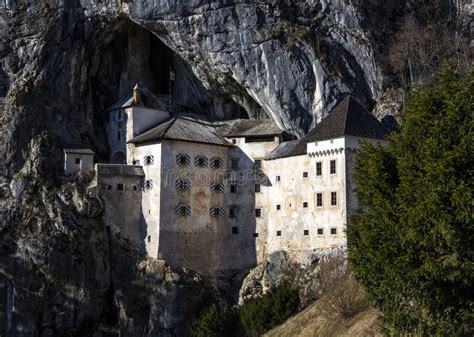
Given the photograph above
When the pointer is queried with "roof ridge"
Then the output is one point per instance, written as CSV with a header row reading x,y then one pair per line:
x,y
169,126
349,99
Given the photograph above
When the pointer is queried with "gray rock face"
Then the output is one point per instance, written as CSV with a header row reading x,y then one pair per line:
x,y
64,62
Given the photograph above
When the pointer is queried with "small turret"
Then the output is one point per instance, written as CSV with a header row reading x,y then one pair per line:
x,y
136,94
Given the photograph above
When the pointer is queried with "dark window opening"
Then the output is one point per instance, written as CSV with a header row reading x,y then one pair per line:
x,y
134,188
319,168
258,212
277,178
320,231
232,212
278,233
306,232
333,167
257,188
255,235
258,164
120,187
319,200
234,164
78,161
109,187
235,230
305,204
149,238
119,135
333,231
233,188
333,199
278,207
305,174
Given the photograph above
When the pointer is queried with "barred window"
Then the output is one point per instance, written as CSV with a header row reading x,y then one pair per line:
x,y
216,212
217,187
183,159
183,184
183,210
201,161
148,184
217,163
148,160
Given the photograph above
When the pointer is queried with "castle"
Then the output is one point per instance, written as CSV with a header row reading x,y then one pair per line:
x,y
218,196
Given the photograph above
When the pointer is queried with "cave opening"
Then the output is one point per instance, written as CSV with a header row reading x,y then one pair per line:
x,y
132,54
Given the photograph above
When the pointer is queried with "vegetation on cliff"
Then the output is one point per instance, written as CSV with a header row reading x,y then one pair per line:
x,y
411,244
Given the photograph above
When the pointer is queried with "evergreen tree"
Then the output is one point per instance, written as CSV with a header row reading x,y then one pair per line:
x,y
411,244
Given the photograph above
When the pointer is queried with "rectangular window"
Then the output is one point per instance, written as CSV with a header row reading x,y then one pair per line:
x,y
119,115
232,212
332,167
109,187
320,231
234,141
183,210
217,163
258,212
333,199
278,207
217,187
183,159
319,169
78,161
258,164
235,230
333,231
119,135
255,235
200,161
149,238
305,174
148,160
148,184
216,212
278,233
306,232
277,178
257,188
119,187
305,204
234,164
319,200
233,188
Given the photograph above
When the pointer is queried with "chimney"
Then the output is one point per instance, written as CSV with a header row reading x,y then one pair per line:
x,y
136,94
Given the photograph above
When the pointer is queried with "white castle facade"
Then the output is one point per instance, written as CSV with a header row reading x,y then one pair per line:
x,y
218,196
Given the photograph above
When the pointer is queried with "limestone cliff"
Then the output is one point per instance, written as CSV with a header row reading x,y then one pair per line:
x,y
63,62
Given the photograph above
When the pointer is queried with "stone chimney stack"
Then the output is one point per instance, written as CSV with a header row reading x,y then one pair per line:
x,y
136,94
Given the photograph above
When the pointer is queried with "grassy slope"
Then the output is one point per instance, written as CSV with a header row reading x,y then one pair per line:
x,y
313,321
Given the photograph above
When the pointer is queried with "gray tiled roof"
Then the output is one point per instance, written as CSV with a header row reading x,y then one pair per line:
x,y
248,128
283,150
348,118
185,127
79,151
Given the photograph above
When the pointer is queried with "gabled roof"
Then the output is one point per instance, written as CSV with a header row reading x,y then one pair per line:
x,y
283,150
248,128
348,118
147,100
185,127
79,151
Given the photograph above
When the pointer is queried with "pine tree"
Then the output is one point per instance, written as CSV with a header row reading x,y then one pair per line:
x,y
411,245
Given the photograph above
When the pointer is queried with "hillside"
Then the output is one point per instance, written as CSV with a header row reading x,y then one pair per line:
x,y
313,321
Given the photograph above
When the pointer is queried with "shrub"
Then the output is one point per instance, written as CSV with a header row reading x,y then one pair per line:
x,y
218,320
262,314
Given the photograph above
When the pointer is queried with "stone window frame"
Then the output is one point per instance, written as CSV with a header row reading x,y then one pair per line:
x,y
236,166
233,212
183,210
334,198
217,163
333,165
319,194
319,169
182,159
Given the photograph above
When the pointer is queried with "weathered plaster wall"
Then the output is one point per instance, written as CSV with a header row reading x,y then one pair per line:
x,y
70,166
